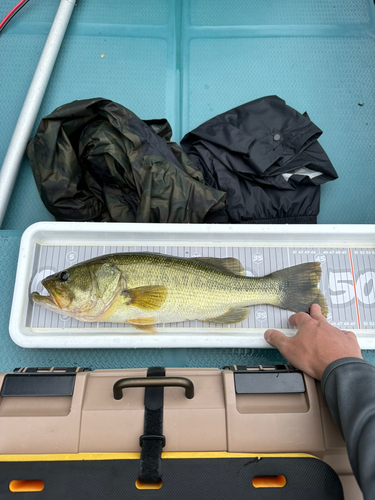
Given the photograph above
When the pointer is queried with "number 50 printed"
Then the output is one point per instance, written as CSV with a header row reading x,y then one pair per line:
x,y
342,291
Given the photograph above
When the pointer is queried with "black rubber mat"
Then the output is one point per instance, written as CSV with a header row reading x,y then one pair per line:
x,y
206,479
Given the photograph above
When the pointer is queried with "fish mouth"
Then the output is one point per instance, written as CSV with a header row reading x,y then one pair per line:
x,y
45,300
50,301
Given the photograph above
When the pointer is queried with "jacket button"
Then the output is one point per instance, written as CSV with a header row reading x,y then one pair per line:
x,y
276,137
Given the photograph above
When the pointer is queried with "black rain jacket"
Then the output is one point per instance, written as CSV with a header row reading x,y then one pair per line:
x,y
266,157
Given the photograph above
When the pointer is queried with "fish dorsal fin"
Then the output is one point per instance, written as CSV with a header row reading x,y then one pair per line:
x,y
227,265
231,316
149,298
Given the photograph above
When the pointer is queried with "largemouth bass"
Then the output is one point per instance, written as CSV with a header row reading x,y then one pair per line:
x,y
145,289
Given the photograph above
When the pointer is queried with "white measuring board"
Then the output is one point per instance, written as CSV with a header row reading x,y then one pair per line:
x,y
348,284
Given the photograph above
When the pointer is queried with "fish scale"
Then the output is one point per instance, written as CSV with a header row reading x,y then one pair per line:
x,y
195,291
146,289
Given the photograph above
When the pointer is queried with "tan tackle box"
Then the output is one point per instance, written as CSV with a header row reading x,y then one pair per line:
x,y
262,432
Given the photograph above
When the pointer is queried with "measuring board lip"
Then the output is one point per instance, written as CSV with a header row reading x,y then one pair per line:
x,y
351,244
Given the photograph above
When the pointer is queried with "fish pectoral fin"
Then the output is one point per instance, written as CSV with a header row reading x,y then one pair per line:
x,y
146,297
231,316
144,324
226,265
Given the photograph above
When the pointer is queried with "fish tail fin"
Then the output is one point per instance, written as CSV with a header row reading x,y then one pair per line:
x,y
299,287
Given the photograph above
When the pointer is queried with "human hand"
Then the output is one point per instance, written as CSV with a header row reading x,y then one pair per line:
x,y
316,344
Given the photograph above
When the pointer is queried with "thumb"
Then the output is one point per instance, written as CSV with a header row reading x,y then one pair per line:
x,y
275,338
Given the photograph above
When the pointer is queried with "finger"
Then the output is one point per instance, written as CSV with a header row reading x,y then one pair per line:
x,y
316,313
275,338
299,318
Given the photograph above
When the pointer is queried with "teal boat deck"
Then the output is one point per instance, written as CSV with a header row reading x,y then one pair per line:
x,y
188,61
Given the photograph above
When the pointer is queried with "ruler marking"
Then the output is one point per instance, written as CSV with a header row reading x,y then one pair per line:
x,y
275,256
355,290
373,284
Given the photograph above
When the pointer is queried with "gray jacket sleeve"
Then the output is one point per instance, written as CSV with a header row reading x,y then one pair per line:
x,y
349,387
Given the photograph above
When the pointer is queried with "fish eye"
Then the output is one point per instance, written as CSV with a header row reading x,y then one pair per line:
x,y
64,275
